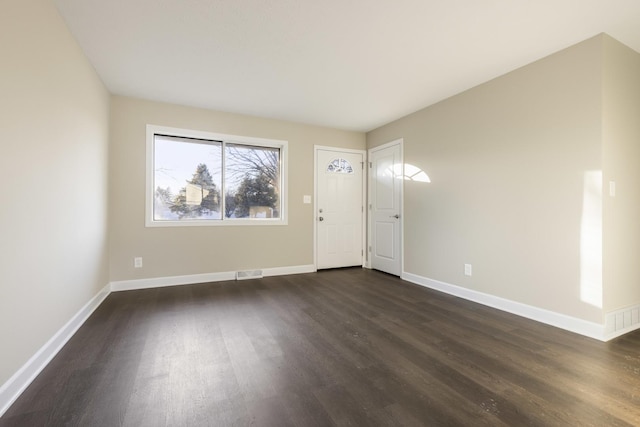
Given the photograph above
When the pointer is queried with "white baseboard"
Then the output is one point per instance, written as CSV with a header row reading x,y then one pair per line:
x,y
283,271
159,282
572,324
14,387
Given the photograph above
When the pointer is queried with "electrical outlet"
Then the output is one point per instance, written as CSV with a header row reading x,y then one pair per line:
x,y
467,270
137,262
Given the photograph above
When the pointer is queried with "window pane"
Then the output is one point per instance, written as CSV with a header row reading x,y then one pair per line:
x,y
187,179
252,182
340,166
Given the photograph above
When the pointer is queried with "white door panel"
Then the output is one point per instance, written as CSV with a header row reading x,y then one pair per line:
x,y
385,192
384,240
339,216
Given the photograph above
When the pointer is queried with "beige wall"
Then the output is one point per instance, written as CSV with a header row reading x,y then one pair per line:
x,y
175,251
53,180
621,155
512,164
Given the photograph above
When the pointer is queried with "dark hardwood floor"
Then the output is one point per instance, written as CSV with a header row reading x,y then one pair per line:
x,y
342,347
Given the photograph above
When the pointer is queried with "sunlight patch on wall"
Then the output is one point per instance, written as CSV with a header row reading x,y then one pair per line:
x,y
591,240
410,173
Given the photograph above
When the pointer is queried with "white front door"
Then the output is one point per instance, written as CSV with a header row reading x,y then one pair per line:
x,y
385,181
339,208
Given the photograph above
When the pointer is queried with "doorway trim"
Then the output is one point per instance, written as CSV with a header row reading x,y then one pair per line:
x,y
399,142
363,220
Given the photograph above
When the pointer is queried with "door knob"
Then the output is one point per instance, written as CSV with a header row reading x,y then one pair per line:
x,y
396,216
321,219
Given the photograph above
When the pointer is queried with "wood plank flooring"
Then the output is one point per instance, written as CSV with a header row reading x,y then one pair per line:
x,y
347,347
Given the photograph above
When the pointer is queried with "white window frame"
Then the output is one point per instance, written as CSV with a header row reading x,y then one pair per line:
x,y
153,130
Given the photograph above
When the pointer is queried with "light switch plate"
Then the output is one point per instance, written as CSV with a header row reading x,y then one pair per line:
x,y
306,199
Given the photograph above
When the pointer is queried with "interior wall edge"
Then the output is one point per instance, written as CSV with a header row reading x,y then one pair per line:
x,y
19,381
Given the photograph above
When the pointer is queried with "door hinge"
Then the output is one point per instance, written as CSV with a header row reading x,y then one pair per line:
x,y
370,165
369,248
361,252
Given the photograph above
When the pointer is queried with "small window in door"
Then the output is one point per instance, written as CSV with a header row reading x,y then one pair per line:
x,y
340,166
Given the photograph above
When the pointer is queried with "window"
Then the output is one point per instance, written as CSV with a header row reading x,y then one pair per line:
x,y
340,166
198,178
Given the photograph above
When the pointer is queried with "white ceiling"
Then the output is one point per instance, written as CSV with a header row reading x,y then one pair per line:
x,y
348,64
